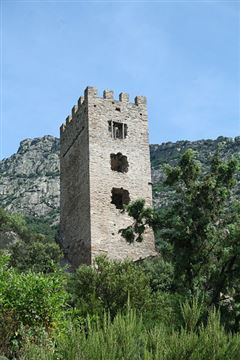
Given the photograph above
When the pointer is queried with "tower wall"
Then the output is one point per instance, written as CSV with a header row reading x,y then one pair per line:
x,y
92,182
74,187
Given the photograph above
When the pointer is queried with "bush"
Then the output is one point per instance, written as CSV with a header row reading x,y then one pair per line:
x,y
127,338
160,272
108,286
28,302
38,256
41,225
35,248
12,222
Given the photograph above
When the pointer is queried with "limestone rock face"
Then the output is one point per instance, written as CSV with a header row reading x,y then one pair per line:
x,y
29,179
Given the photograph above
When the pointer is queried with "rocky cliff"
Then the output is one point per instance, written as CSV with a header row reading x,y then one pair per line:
x,y
29,179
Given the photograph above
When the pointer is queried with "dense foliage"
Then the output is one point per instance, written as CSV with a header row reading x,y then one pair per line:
x,y
126,337
109,286
198,235
30,303
33,246
41,320
184,304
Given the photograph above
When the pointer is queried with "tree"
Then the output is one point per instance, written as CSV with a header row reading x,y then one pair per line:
x,y
199,232
37,255
32,250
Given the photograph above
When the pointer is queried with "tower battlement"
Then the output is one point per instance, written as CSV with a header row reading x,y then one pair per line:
x,y
91,93
104,164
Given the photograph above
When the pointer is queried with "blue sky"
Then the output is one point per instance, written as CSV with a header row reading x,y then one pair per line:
x,y
183,55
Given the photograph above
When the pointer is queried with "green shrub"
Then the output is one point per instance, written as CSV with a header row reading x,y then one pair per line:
x,y
41,225
35,248
12,222
127,338
107,287
29,302
160,272
38,256
163,308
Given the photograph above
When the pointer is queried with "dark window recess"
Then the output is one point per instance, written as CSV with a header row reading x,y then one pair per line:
x,y
120,197
119,162
117,130
118,109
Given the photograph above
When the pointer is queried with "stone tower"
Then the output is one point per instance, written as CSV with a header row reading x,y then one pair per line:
x,y
105,163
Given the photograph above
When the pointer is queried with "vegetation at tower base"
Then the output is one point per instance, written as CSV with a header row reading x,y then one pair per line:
x,y
126,337
157,309
199,234
31,304
108,286
43,318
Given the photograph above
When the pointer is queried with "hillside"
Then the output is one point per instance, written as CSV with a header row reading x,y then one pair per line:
x,y
29,179
169,153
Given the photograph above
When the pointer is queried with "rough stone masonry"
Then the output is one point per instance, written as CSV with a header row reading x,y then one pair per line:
x,y
104,164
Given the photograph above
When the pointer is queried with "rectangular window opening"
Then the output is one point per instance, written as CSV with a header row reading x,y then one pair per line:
x,y
117,130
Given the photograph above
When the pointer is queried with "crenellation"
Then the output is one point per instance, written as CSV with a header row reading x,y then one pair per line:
x,y
90,92
123,97
76,116
62,128
68,120
108,94
140,100
74,111
80,101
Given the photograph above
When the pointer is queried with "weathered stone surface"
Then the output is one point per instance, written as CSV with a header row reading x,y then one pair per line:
x,y
90,221
29,179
